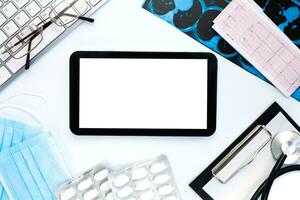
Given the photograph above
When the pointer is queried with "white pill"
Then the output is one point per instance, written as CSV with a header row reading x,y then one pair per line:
x,y
139,173
164,190
104,187
158,167
125,192
142,185
69,193
85,184
121,180
161,179
132,198
101,175
147,195
171,198
109,196
91,194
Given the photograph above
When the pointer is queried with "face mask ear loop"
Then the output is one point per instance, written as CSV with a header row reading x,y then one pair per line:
x,y
25,94
24,110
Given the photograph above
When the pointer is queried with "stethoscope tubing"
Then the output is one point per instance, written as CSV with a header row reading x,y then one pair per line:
x,y
277,171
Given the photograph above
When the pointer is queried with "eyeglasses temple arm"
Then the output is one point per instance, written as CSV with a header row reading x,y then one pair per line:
x,y
34,33
28,55
65,9
20,41
88,19
29,49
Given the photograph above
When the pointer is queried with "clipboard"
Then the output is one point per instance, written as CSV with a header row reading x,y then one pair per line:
x,y
207,185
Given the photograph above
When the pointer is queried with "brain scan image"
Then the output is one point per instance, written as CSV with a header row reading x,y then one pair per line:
x,y
224,47
219,3
286,14
195,18
187,18
204,27
162,7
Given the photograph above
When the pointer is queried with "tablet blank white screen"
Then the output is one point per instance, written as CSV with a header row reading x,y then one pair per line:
x,y
143,93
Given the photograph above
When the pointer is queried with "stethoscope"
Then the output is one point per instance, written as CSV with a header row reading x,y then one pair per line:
x,y
285,148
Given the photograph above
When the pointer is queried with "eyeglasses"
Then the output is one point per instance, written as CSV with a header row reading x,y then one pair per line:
x,y
62,14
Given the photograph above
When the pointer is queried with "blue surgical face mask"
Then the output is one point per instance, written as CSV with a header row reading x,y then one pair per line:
x,y
14,135
11,133
14,132
31,167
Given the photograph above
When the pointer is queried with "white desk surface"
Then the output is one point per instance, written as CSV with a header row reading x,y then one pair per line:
x,y
124,25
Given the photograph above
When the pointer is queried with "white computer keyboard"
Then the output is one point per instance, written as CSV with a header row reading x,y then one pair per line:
x,y
17,14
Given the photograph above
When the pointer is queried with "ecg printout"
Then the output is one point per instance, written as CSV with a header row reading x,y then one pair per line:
x,y
245,27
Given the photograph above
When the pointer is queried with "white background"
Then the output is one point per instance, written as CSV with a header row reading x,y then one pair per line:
x,y
143,93
124,25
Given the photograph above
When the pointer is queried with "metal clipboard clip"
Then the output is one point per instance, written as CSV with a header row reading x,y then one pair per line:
x,y
243,154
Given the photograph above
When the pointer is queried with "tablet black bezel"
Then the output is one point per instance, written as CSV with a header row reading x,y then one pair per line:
x,y
74,94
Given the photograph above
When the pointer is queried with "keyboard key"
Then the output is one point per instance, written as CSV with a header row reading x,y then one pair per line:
x,y
94,2
49,34
46,13
35,23
16,64
3,56
2,19
4,75
3,37
9,10
82,7
33,8
12,42
24,32
10,28
21,18
44,3
21,3
69,20
1,4
61,6
56,3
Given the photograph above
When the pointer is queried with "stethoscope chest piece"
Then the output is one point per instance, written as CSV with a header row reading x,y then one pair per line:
x,y
286,142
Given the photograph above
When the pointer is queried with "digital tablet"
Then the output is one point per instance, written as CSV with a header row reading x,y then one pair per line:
x,y
143,93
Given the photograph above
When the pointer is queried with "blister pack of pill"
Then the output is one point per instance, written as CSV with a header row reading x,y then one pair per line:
x,y
92,184
150,180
